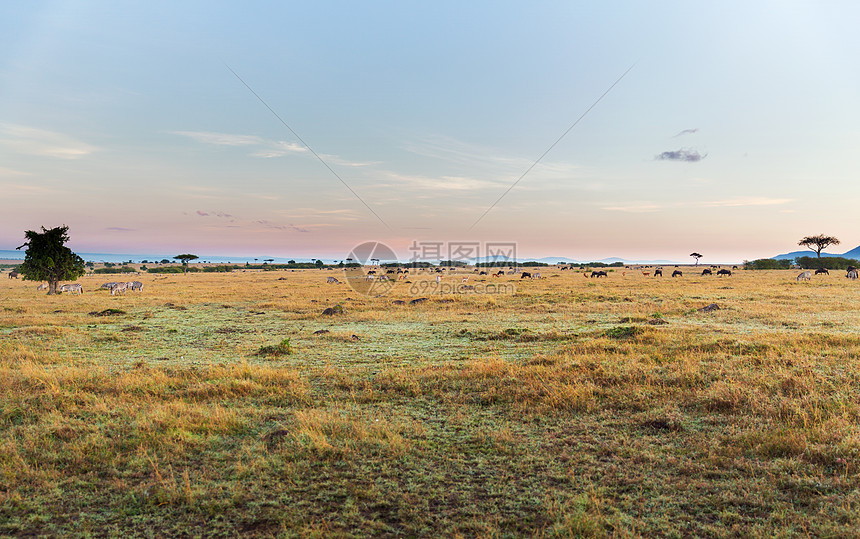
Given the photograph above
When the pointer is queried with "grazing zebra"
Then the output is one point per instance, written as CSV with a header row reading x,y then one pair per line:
x,y
852,275
74,288
332,280
536,276
135,285
42,286
805,276
118,288
108,286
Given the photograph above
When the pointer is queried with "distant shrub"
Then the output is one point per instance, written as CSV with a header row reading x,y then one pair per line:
x,y
124,269
767,264
220,268
172,269
827,262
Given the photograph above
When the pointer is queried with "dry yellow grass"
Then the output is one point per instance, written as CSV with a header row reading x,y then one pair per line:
x,y
573,406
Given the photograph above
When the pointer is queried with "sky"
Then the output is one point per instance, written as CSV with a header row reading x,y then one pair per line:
x,y
642,130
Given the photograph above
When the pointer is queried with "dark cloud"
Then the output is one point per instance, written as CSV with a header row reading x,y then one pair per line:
x,y
686,132
691,156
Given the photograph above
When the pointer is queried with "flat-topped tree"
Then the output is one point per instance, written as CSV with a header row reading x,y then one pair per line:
x,y
185,258
697,256
48,259
818,243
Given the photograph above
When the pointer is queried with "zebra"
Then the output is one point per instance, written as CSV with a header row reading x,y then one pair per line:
x,y
41,287
332,280
135,285
536,276
74,288
108,286
805,276
851,275
117,288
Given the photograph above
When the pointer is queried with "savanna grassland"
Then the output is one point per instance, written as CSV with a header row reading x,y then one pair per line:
x,y
206,405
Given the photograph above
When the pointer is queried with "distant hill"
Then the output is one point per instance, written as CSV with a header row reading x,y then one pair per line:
x,y
853,253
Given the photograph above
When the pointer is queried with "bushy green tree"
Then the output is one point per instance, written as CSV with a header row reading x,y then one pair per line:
x,y
818,243
48,259
185,258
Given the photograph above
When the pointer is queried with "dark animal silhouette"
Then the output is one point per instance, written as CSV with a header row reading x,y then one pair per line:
x,y
658,273
725,272
706,271
526,275
821,271
599,274
677,273
13,274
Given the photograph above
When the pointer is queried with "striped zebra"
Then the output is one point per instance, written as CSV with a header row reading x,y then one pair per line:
x,y
135,285
118,288
74,288
41,287
332,280
108,286
805,276
852,275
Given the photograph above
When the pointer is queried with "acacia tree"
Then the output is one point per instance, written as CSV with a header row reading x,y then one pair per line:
x,y
48,259
697,256
185,258
818,243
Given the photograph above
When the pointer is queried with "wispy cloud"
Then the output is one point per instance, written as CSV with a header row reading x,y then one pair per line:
x,y
279,149
686,132
635,207
690,156
119,229
738,202
747,201
40,142
220,139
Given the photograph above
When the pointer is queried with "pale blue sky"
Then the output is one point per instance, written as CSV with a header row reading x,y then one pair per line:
x,y
125,123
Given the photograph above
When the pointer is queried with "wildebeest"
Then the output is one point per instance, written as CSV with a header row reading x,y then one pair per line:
x,y
483,273
822,271
599,274
677,273
706,271
13,274
658,272
725,272
74,288
526,275
805,276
